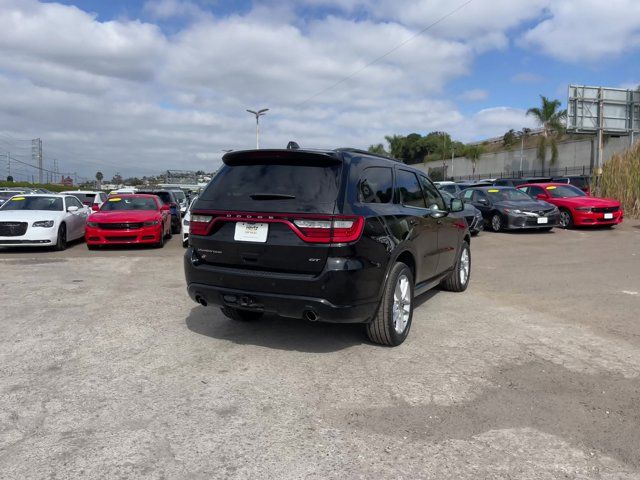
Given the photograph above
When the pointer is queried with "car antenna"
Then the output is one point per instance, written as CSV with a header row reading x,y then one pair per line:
x,y
293,146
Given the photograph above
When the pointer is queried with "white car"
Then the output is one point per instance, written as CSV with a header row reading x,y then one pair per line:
x,y
93,200
185,224
38,220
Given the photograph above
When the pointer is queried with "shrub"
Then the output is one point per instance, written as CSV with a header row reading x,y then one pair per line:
x,y
621,180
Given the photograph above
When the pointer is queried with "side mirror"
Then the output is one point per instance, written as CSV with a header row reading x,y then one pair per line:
x,y
457,205
95,207
72,209
165,207
435,212
541,196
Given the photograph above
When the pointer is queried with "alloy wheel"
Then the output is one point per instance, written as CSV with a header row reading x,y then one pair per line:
x,y
401,304
465,264
565,219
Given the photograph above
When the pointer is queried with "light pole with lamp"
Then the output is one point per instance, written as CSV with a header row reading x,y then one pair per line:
x,y
258,114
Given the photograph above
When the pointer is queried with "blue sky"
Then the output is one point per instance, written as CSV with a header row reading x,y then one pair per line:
x,y
139,87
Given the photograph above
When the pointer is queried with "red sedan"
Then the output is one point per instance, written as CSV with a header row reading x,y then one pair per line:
x,y
129,219
576,207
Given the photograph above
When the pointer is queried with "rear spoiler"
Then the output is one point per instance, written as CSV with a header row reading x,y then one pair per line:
x,y
281,157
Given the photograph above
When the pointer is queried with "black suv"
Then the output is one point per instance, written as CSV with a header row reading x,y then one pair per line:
x,y
168,197
337,236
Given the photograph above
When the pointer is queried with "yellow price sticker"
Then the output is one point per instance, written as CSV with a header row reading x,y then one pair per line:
x,y
551,187
17,199
117,199
493,190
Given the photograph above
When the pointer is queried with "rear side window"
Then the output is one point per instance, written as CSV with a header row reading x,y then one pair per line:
x,y
409,189
467,194
273,187
376,185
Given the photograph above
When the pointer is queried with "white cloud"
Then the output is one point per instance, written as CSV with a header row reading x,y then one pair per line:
x,y
527,77
123,95
165,9
587,30
474,95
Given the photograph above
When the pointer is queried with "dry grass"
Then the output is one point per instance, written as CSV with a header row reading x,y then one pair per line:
x,y
621,180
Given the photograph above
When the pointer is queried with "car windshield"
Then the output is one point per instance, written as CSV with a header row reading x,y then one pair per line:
x,y
565,191
6,194
508,194
22,202
164,196
449,188
85,198
179,194
129,203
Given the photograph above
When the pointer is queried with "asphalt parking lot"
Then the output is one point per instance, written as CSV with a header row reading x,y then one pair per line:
x,y
109,370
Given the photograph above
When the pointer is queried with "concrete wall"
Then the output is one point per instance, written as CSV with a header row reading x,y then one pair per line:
x,y
572,155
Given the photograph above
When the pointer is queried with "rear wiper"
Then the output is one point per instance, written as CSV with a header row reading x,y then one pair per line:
x,y
271,196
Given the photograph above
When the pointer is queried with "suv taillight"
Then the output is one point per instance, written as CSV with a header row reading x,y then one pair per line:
x,y
310,228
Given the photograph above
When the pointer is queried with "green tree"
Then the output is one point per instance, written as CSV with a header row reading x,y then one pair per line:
x,y
377,149
551,119
509,138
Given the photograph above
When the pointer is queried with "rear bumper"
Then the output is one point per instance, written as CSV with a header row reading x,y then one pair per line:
x,y
589,219
144,235
348,293
284,305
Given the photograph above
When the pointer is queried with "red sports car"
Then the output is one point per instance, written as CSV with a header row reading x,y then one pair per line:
x,y
129,219
576,207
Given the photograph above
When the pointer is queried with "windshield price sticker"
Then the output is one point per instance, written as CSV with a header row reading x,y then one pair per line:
x,y
17,199
493,190
551,187
117,199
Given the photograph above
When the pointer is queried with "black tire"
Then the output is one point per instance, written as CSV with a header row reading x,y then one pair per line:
x,y
454,282
185,244
566,219
160,243
61,243
382,329
496,222
241,315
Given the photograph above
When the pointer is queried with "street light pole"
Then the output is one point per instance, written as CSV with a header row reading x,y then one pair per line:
x,y
258,114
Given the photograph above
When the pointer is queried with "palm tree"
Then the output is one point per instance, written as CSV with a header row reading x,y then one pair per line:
x,y
99,177
551,119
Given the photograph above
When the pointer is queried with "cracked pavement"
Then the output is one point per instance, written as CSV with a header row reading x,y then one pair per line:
x,y
108,370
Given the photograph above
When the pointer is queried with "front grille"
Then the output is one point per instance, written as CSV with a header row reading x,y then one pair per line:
x,y
120,226
121,239
605,209
13,229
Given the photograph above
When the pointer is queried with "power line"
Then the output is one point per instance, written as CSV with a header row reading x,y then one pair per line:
x,y
386,54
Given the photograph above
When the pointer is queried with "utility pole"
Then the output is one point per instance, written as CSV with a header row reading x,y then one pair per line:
x,y
258,114
36,156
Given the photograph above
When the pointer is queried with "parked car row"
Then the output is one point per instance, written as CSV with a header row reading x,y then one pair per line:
x,y
28,219
536,203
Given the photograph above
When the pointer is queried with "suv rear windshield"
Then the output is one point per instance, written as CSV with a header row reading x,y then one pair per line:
x,y
274,188
85,198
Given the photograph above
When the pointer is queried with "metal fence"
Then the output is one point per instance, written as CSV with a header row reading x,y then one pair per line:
x,y
544,172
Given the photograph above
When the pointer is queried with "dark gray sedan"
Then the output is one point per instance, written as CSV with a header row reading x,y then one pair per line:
x,y
471,214
505,208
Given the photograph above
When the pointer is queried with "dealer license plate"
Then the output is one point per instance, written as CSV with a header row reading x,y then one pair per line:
x,y
543,220
251,232
608,216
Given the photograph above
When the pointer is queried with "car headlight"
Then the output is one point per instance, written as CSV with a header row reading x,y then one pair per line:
x,y
583,209
43,223
92,224
151,224
555,211
185,222
515,211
